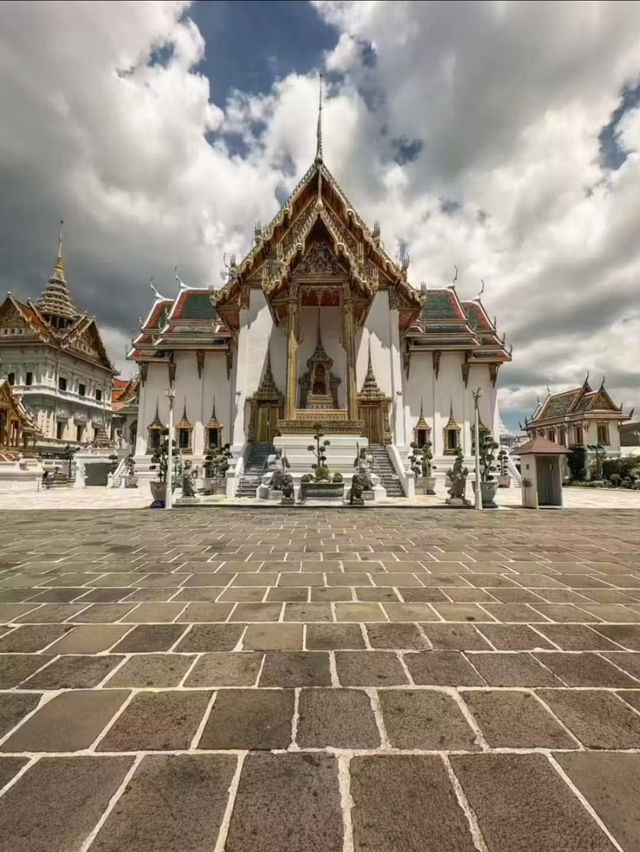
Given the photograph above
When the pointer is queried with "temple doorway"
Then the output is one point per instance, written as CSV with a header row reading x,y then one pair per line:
x,y
267,419
373,418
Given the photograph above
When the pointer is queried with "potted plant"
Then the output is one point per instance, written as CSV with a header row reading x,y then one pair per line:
x,y
320,485
504,480
160,464
488,482
216,464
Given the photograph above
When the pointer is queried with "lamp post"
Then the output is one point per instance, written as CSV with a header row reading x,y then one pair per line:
x,y
476,400
168,500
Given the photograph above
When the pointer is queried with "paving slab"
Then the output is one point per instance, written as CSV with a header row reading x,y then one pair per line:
x,y
287,803
58,801
597,718
460,637
9,768
392,636
28,638
223,669
273,637
73,672
549,817
425,719
295,668
513,719
89,639
211,637
513,637
15,668
256,719
70,721
152,670
172,803
369,668
337,718
406,802
611,784
14,707
442,668
585,669
262,676
154,721
513,669
331,637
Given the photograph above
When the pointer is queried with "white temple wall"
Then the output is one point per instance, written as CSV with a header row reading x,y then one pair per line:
x,y
376,333
398,377
154,392
449,393
419,392
330,326
255,329
214,385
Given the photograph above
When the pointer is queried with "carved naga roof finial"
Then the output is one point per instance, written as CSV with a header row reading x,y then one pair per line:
x,y
319,127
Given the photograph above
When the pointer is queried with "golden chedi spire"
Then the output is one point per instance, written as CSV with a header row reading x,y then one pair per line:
x,y
56,299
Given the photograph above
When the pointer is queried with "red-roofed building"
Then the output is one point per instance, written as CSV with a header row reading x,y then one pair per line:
x,y
580,417
317,324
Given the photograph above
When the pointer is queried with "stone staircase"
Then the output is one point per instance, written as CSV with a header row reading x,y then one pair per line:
x,y
253,470
383,466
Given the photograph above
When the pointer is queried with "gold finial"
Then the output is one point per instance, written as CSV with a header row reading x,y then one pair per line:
x,y
319,129
59,255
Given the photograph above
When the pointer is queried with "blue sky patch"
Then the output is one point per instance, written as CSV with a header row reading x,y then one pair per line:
x,y
612,154
251,44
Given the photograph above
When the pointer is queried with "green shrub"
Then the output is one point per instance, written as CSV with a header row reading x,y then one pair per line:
x,y
337,477
576,462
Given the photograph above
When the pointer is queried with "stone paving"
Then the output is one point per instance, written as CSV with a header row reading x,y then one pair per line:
x,y
320,681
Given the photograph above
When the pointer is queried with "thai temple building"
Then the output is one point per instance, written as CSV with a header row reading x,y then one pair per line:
x,y
317,325
580,417
52,356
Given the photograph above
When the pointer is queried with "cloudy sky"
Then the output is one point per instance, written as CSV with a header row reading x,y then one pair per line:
x,y
500,137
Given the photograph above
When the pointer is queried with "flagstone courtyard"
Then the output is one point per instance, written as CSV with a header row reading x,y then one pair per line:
x,y
249,679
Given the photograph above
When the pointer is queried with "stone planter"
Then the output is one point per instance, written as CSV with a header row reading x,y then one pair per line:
x,y
488,491
504,481
158,491
429,484
325,492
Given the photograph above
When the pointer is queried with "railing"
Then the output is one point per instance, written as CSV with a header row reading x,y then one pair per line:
x,y
114,480
234,476
406,477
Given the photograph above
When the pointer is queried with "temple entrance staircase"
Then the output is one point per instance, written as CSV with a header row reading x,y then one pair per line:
x,y
255,466
383,466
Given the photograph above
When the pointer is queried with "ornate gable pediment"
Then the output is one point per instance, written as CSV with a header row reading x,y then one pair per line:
x,y
319,259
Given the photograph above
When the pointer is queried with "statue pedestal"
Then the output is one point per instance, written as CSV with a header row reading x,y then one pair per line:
x,y
460,502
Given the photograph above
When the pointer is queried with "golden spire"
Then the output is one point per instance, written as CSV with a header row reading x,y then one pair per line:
x,y
56,299
319,128
59,267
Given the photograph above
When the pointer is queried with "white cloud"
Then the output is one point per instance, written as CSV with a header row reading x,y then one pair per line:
x,y
506,99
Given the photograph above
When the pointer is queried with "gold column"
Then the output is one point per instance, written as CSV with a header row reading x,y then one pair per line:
x,y
349,347
292,351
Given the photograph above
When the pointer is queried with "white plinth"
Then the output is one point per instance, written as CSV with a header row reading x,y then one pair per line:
x,y
341,452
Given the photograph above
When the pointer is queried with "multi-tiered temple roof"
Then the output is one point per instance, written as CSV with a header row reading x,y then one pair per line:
x,y
54,320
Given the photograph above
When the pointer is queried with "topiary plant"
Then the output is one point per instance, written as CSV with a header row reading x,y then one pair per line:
x,y
487,457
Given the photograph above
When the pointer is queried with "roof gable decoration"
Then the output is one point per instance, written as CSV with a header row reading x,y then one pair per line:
x,y
317,196
23,318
